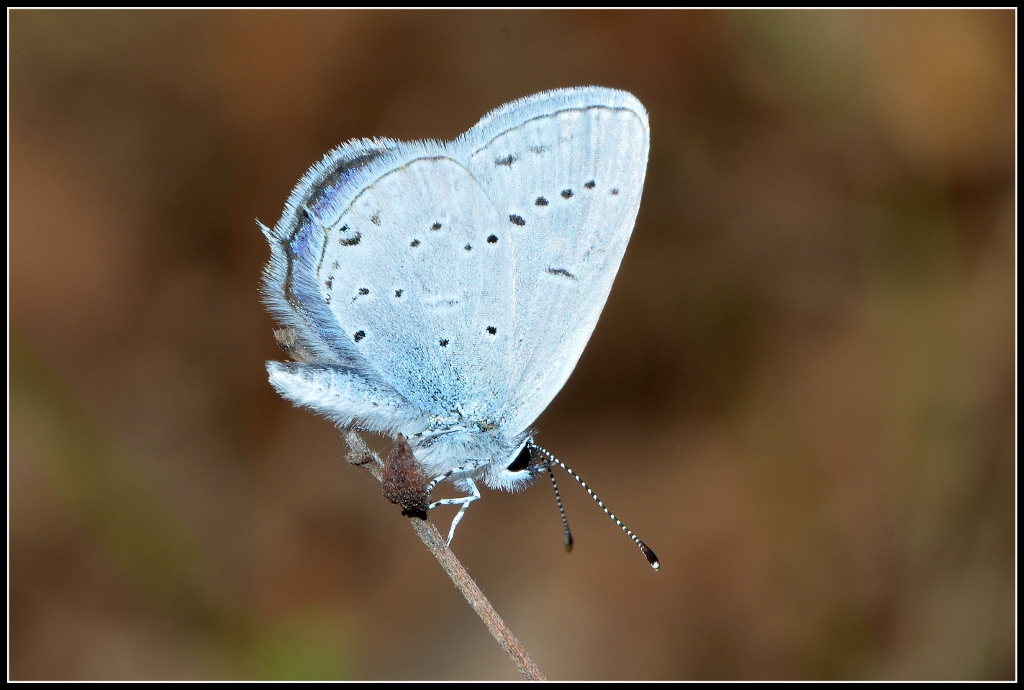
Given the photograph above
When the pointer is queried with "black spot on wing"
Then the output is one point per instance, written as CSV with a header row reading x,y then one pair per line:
x,y
358,335
541,201
517,220
561,272
507,161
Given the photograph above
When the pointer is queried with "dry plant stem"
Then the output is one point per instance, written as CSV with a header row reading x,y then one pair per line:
x,y
360,454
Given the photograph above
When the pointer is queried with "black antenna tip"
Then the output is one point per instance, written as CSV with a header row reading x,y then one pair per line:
x,y
552,460
651,558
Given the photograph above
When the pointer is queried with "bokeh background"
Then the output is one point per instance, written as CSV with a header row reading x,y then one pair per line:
x,y
801,392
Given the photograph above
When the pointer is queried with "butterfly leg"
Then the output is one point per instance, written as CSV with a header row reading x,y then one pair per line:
x,y
464,501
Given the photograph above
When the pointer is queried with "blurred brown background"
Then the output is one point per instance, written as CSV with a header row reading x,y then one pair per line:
x,y
801,392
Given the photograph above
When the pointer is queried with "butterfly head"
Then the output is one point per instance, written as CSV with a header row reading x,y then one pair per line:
x,y
518,469
481,452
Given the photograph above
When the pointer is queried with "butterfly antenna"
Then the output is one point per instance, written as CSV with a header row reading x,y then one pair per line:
x,y
561,510
651,557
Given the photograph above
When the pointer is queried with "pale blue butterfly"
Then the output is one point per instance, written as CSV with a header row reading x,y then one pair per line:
x,y
445,290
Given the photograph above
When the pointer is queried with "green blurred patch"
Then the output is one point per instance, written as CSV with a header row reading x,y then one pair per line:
x,y
811,53
155,547
307,647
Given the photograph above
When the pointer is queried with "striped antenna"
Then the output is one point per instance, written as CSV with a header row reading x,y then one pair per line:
x,y
561,510
651,557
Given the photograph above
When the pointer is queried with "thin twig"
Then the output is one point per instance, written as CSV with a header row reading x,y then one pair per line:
x,y
360,454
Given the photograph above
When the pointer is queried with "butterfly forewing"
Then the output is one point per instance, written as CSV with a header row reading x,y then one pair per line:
x,y
567,180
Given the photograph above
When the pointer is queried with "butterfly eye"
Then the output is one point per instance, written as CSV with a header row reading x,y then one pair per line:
x,y
522,460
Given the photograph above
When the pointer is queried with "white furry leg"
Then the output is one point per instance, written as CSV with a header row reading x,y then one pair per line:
x,y
464,501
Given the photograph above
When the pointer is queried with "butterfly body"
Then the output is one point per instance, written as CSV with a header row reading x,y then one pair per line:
x,y
446,290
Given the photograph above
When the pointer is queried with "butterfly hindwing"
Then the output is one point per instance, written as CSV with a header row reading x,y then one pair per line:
x,y
417,275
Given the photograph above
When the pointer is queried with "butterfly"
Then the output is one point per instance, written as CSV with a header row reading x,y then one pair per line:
x,y
444,291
